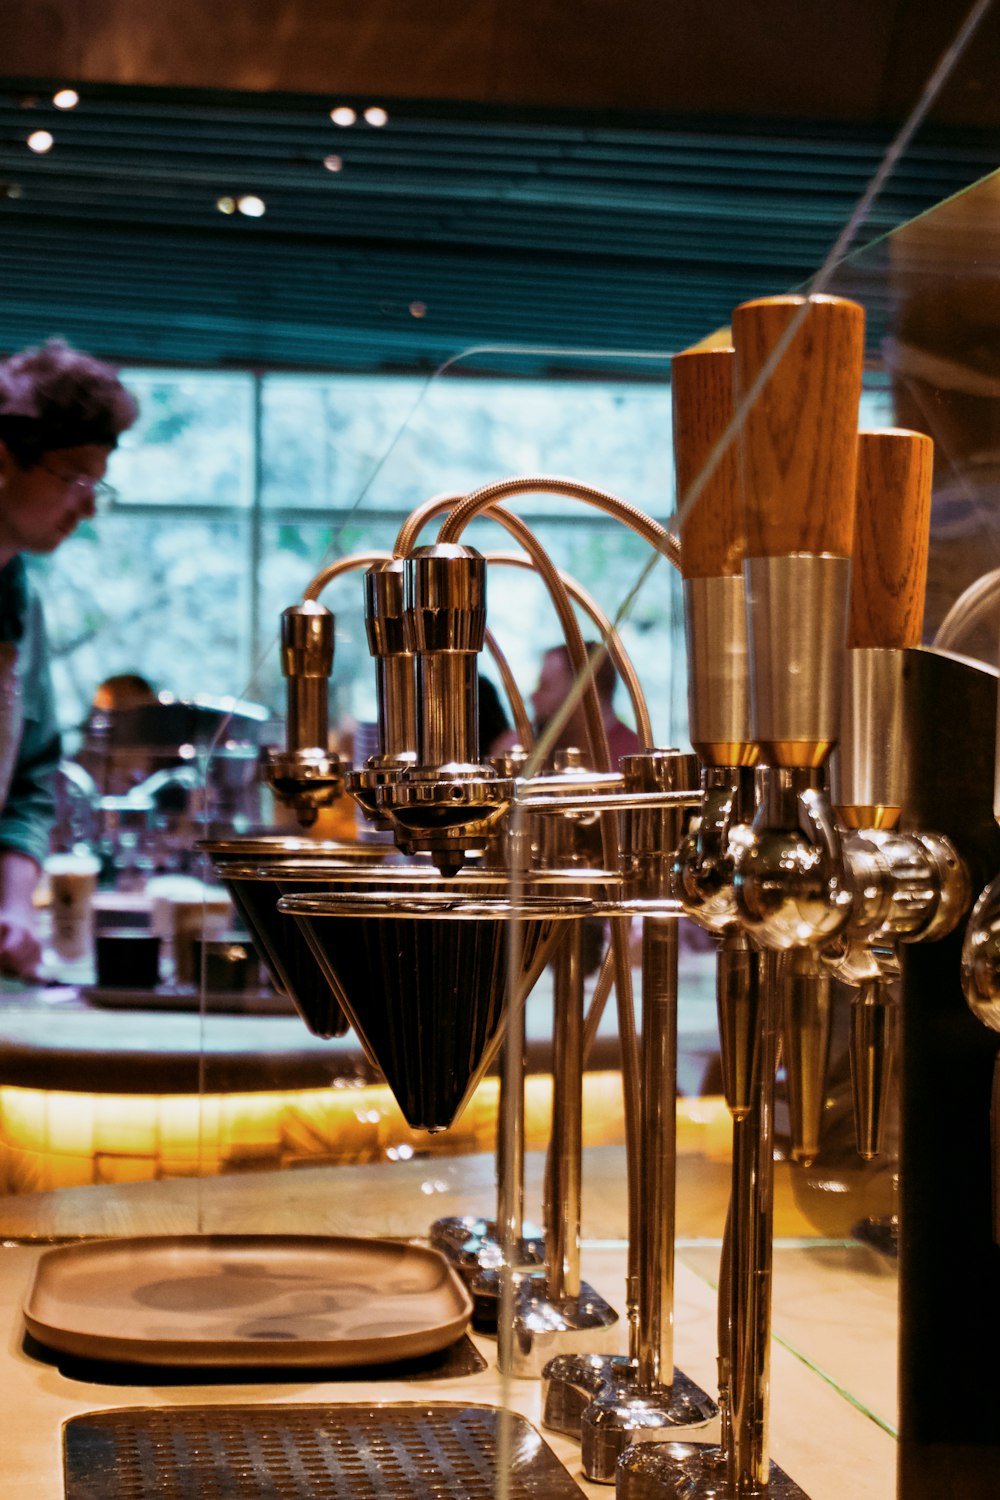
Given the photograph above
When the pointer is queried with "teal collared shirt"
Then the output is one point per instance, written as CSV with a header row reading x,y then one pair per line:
x,y
28,812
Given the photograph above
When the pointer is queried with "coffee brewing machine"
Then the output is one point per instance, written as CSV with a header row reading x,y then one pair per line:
x,y
835,825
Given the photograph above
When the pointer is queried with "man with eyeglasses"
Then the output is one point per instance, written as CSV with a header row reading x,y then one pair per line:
x,y
61,415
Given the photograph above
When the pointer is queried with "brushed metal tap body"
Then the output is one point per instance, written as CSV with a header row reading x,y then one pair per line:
x,y
306,775
796,673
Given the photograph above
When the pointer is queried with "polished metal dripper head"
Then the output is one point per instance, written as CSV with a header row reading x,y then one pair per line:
x,y
424,980
306,775
874,1018
395,690
445,801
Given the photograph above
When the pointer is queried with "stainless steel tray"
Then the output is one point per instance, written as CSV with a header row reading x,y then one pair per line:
x,y
246,1300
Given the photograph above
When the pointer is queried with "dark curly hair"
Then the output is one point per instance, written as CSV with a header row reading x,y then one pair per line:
x,y
57,397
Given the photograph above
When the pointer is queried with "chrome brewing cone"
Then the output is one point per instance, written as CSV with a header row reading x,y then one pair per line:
x,y
424,981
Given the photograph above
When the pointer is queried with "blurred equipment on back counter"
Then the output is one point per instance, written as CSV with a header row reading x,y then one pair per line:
x,y
164,773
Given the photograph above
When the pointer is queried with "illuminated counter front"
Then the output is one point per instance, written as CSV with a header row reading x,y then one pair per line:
x,y
90,1096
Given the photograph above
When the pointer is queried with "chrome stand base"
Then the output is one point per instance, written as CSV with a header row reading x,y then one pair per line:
x,y
543,1327
690,1471
472,1244
627,1414
571,1381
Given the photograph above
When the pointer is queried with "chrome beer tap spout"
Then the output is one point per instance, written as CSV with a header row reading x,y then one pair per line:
x,y
705,862
306,775
445,802
791,883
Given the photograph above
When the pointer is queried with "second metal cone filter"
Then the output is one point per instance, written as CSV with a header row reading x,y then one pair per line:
x,y
424,983
245,865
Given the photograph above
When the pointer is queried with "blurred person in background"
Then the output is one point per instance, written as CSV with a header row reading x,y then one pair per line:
x,y
61,415
555,681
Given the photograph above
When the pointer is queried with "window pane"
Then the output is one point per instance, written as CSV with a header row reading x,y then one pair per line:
x,y
192,444
143,594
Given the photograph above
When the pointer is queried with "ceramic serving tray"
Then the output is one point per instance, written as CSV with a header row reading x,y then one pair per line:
x,y
246,1300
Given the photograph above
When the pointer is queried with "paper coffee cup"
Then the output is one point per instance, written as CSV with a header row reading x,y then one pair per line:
x,y
72,883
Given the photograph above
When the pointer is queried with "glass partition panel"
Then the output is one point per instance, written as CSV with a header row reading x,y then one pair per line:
x,y
214,1109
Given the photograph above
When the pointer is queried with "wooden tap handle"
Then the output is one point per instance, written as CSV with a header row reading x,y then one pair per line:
x,y
712,531
798,440
889,576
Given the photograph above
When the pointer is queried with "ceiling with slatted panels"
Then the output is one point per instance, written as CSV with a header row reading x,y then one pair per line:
x,y
446,227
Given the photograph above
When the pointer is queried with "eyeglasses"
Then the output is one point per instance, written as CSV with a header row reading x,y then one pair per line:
x,y
104,494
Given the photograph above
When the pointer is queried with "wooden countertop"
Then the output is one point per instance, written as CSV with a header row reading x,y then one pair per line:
x,y
834,1313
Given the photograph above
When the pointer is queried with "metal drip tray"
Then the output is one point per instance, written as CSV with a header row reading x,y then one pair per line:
x,y
436,1451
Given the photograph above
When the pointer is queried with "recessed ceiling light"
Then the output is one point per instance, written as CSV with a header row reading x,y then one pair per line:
x,y
343,115
226,205
333,163
418,309
251,205
41,141
66,99
376,115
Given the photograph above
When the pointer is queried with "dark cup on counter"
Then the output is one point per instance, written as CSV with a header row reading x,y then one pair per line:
x,y
228,963
127,958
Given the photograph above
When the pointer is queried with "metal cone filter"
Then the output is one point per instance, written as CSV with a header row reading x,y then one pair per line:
x,y
243,866
423,980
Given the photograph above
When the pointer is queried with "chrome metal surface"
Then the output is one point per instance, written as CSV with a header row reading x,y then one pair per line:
x,y
918,885
384,608
797,613
704,864
981,958
307,637
790,881
658,1180
447,704
329,1452
542,1328
805,1040
715,622
571,1381
444,599
473,1245
306,775
738,1004
621,1415
751,1219
444,812
649,836
396,691
874,1018
867,769
690,1471
564,1177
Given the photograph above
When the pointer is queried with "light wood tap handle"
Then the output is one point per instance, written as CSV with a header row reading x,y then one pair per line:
x,y
889,577
712,531
798,443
